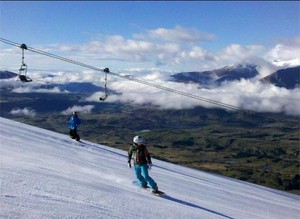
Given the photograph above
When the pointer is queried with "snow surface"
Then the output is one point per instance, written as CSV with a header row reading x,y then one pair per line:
x,y
47,175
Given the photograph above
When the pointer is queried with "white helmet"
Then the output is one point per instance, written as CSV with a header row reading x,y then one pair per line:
x,y
138,139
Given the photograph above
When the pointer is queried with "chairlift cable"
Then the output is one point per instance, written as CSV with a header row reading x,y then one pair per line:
x,y
131,78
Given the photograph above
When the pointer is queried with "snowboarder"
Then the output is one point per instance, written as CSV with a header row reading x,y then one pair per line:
x,y
73,123
142,163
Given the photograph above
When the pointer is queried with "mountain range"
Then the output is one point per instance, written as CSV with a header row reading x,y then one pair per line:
x,y
228,73
287,77
7,74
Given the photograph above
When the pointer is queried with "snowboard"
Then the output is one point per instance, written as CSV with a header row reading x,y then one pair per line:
x,y
158,193
75,142
74,139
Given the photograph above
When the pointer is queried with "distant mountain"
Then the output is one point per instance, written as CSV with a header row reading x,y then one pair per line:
x,y
228,73
288,78
7,75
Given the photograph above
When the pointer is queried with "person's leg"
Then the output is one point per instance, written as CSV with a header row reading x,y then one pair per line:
x,y
76,135
139,176
152,183
71,133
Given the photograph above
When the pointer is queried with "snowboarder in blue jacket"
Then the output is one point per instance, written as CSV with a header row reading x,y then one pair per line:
x,y
142,163
73,123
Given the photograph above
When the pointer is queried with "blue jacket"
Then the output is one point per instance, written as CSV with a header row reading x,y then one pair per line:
x,y
73,122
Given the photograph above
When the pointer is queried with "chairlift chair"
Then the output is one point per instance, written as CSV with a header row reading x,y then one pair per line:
x,y
22,74
23,69
106,71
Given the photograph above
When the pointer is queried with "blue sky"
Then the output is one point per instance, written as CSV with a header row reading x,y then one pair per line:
x,y
151,40
179,35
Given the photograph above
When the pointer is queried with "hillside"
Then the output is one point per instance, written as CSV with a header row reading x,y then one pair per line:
x,y
217,76
46,175
288,78
7,75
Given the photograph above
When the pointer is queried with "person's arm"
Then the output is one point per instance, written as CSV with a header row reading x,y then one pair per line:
x,y
69,120
129,156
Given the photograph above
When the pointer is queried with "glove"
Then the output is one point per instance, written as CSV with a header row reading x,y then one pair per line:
x,y
129,164
149,166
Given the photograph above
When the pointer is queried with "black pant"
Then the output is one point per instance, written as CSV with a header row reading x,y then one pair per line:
x,y
74,135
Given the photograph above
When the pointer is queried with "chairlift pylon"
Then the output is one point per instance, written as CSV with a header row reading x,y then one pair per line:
x,y
23,69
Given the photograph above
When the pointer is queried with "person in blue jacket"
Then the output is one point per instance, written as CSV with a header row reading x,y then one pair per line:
x,y
73,123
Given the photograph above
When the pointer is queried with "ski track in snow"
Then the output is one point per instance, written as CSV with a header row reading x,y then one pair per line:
x,y
47,175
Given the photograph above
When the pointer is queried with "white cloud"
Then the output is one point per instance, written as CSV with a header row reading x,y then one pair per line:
x,y
287,49
119,48
196,55
264,68
186,54
28,89
236,54
245,94
259,97
87,109
147,50
23,112
16,86
177,34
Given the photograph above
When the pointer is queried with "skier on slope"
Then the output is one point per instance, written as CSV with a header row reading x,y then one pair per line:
x,y
73,123
142,163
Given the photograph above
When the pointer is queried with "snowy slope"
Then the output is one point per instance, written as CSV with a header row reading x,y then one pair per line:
x,y
46,175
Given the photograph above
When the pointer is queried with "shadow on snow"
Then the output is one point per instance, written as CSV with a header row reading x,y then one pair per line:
x,y
193,205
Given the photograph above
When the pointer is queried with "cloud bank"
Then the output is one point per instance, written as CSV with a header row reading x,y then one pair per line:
x,y
36,89
247,94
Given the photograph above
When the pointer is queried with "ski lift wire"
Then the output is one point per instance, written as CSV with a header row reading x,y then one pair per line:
x,y
130,78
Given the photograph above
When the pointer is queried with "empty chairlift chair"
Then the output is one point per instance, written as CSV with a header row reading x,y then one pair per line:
x,y
22,74
23,69
103,98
